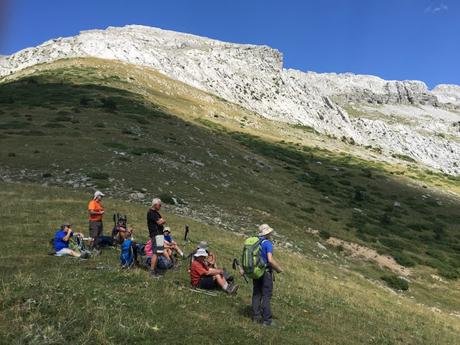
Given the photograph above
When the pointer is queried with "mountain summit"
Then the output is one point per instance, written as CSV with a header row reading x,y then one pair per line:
x,y
398,118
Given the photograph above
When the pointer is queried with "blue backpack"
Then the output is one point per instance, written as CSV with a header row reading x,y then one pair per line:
x,y
127,254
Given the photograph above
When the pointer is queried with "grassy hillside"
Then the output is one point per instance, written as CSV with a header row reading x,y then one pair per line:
x,y
68,118
136,134
50,300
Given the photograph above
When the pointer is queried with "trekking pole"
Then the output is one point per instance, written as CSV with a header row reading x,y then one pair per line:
x,y
236,266
186,235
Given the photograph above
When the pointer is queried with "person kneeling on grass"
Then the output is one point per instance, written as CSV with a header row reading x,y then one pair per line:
x,y
61,242
204,277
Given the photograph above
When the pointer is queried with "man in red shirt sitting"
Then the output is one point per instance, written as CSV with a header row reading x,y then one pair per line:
x,y
204,277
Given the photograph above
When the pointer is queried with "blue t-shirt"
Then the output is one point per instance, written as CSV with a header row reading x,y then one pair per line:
x,y
168,238
59,243
267,247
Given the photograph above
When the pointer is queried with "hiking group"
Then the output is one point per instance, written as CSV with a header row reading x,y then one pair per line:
x,y
161,252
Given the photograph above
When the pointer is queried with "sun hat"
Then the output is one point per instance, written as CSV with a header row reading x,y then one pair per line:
x,y
200,252
203,245
167,229
98,193
264,230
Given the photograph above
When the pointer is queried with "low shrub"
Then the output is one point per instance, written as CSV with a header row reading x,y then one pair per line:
x,y
84,101
14,125
139,151
96,175
124,159
395,282
417,226
109,104
139,119
167,199
324,234
404,259
291,203
53,125
116,145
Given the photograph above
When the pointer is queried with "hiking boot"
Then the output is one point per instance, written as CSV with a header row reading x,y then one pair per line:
x,y
269,324
96,252
154,274
85,255
232,289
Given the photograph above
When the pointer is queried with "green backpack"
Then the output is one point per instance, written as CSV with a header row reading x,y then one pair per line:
x,y
253,264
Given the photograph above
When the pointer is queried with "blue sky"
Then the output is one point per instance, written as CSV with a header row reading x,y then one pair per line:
x,y
394,39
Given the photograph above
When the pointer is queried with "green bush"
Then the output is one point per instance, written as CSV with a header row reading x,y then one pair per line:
x,y
14,125
139,151
126,131
291,203
139,119
167,199
385,219
308,209
109,104
396,282
98,175
53,125
404,259
84,101
449,273
360,195
324,234
116,145
124,159
62,118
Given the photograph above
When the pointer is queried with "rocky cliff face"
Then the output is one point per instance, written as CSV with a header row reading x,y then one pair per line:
x,y
448,94
253,76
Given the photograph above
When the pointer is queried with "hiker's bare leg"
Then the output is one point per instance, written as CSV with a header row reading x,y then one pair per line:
x,y
153,262
74,253
221,281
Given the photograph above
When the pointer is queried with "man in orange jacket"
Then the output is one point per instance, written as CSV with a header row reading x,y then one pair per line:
x,y
96,211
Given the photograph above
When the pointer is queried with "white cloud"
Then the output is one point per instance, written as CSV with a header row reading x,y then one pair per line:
x,y
436,8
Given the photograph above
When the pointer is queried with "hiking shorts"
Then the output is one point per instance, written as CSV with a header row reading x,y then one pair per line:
x,y
157,249
95,229
207,283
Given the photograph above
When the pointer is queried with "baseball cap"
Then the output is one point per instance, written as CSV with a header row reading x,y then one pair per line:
x,y
98,193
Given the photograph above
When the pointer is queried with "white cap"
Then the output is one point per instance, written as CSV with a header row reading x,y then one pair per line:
x,y
200,252
98,193
264,230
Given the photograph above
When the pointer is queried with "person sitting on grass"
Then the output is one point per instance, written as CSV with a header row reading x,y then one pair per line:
x,y
211,259
164,261
125,233
204,277
169,242
61,242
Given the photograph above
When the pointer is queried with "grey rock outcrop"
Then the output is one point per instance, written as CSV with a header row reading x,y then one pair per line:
x,y
407,118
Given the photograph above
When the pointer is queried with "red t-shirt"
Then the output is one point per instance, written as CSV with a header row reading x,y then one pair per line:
x,y
197,270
